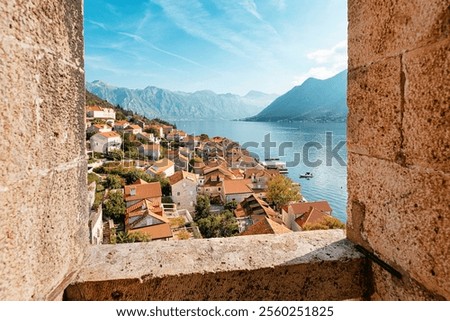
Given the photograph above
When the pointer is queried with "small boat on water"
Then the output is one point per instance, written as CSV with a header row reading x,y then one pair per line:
x,y
307,175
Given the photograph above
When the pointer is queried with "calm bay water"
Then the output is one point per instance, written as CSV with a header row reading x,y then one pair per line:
x,y
329,182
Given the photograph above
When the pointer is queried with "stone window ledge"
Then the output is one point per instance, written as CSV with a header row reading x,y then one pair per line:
x,y
314,265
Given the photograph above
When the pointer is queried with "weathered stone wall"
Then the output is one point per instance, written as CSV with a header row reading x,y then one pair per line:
x,y
398,142
43,226
314,265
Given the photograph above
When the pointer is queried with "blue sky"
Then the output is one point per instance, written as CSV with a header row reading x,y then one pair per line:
x,y
221,45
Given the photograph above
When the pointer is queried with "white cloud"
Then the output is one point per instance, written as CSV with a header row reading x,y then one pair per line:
x,y
98,24
329,62
336,54
250,6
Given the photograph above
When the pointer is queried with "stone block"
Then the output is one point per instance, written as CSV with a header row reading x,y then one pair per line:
x,y
426,123
390,288
406,218
47,25
41,111
42,235
315,265
374,101
42,167
385,28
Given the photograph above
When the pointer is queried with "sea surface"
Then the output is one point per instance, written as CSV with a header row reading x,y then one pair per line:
x,y
305,150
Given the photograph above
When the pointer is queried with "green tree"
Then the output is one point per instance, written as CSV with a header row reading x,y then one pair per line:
x,y
132,153
222,225
231,206
166,189
127,237
202,208
129,142
114,206
280,191
113,182
133,175
115,154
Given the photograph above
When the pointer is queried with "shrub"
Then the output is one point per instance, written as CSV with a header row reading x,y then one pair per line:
x,y
327,223
183,235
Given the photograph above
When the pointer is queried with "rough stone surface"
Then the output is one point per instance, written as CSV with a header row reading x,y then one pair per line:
x,y
375,119
387,28
401,205
42,163
427,107
398,162
391,288
316,265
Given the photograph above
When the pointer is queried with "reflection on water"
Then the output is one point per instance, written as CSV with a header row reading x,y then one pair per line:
x,y
329,182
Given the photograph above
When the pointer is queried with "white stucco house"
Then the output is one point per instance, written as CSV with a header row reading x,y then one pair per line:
x,y
105,142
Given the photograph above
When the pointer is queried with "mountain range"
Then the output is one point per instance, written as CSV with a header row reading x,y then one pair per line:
x,y
155,102
314,100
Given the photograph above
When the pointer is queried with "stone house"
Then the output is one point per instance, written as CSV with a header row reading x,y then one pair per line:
x,y
184,189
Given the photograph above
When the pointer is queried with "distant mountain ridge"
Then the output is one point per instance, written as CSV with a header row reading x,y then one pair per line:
x,y
314,100
176,105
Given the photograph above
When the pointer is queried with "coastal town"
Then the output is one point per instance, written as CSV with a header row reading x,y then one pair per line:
x,y
150,181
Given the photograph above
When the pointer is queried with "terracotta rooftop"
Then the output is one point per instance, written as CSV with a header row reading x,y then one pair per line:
x,y
260,172
253,205
209,171
109,134
160,166
143,205
100,126
304,207
150,223
236,186
311,217
132,126
159,231
94,108
266,226
178,176
143,191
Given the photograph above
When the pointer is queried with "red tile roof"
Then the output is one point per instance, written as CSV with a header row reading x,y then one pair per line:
x,y
253,205
109,134
94,108
134,127
312,217
178,176
304,207
237,186
143,191
266,226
